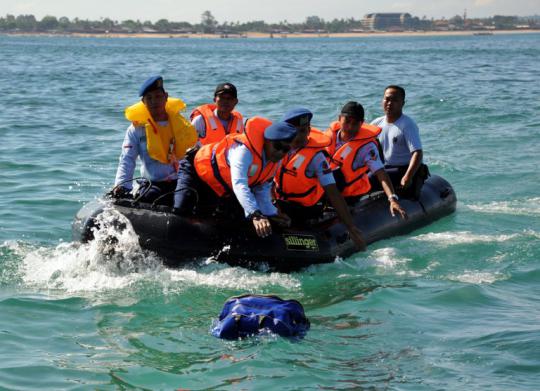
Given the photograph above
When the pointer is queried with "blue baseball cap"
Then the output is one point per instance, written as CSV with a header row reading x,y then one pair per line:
x,y
152,83
299,116
280,131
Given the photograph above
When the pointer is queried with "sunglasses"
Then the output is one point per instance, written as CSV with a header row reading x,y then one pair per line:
x,y
281,146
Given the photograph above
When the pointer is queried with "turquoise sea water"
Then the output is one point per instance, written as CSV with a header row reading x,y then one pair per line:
x,y
452,306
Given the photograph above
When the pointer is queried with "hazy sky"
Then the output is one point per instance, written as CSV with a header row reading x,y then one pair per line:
x,y
268,10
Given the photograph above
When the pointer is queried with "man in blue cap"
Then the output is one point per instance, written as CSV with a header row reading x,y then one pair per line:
x,y
159,135
238,171
305,178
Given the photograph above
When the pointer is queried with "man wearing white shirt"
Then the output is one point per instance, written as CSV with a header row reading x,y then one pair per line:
x,y
401,145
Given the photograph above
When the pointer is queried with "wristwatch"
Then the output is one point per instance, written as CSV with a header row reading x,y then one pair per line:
x,y
255,215
393,197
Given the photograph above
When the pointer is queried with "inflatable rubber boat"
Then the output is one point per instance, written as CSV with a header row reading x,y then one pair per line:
x,y
179,240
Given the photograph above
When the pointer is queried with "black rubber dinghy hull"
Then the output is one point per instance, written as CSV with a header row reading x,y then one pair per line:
x,y
179,240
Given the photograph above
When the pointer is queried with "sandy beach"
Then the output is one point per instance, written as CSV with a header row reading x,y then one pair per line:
x,y
285,35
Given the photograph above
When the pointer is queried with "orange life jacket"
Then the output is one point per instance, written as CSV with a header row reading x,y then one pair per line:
x,y
356,181
211,160
292,182
214,127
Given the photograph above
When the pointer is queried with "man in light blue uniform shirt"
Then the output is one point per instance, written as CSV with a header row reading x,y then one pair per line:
x,y
367,155
401,145
352,116
250,199
318,168
162,176
259,198
351,119
256,201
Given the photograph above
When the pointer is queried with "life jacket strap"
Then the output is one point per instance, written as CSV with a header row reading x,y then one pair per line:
x,y
295,195
217,174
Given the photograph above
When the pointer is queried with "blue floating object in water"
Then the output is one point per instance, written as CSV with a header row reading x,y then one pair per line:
x,y
247,315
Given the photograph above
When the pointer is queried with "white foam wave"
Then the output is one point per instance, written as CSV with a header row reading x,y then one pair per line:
x,y
387,260
531,233
233,278
476,277
384,260
526,207
115,260
387,257
461,237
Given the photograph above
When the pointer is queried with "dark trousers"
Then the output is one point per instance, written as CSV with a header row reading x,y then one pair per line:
x,y
160,193
194,196
395,173
300,214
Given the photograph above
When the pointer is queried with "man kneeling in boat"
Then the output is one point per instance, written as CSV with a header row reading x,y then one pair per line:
x,y
238,169
305,178
354,152
159,135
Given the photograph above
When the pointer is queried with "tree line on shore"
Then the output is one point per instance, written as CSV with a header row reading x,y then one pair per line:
x,y
209,25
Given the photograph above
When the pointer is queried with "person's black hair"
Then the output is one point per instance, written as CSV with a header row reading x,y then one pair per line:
x,y
353,109
401,90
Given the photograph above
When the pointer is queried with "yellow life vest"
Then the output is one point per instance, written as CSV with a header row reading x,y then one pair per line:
x,y
168,143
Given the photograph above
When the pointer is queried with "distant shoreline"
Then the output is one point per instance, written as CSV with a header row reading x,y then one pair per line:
x,y
278,35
